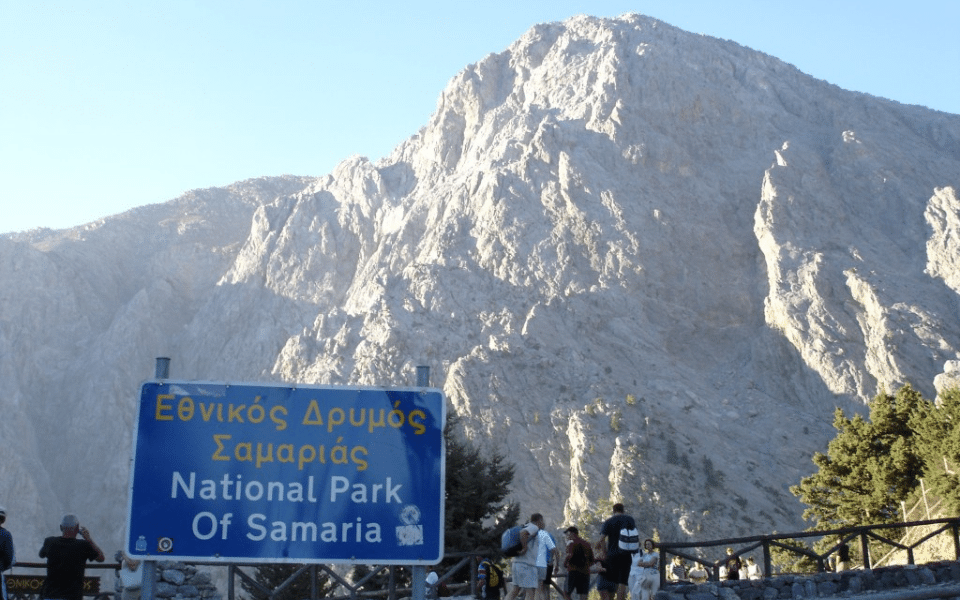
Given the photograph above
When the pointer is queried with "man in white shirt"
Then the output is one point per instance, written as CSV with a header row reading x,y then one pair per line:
x,y
545,547
524,565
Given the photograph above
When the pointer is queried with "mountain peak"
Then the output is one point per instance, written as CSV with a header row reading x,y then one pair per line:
x,y
645,264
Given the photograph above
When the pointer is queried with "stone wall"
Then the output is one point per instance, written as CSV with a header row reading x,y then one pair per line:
x,y
846,583
181,581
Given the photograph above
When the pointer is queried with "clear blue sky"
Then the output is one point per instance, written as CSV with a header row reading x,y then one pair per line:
x,y
110,104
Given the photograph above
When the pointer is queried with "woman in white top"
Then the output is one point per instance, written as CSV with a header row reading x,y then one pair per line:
x,y
644,574
753,569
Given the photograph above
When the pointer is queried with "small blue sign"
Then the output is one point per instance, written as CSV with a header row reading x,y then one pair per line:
x,y
270,473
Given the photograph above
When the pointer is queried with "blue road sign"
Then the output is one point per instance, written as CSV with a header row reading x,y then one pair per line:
x,y
272,473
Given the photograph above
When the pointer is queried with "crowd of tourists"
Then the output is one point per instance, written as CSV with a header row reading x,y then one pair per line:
x,y
617,564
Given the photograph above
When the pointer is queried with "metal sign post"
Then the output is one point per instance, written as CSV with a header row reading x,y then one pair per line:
x,y
148,587
419,584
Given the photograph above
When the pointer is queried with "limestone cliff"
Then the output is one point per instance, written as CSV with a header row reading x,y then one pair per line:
x,y
646,264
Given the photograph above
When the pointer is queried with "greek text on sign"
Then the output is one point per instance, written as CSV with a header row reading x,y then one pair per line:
x,y
272,473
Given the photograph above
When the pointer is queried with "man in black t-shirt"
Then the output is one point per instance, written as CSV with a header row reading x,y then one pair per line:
x,y
67,558
616,561
6,553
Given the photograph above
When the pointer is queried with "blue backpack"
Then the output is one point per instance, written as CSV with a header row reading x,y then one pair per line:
x,y
510,541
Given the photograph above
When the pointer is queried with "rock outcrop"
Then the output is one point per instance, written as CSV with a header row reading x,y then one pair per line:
x,y
645,264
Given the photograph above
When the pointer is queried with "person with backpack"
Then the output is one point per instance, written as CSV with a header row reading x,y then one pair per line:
x,y
489,579
577,562
619,541
524,565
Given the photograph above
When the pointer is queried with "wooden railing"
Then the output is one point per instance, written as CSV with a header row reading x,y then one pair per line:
x,y
26,586
29,586
346,590
694,551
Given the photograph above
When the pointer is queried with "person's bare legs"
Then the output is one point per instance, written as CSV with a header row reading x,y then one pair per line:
x,y
541,591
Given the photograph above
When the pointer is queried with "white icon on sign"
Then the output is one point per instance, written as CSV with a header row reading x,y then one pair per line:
x,y
411,532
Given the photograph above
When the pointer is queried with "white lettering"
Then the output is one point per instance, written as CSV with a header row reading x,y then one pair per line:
x,y
178,480
275,487
362,493
234,487
254,522
208,489
308,532
338,485
392,492
300,531
279,533
257,493
206,516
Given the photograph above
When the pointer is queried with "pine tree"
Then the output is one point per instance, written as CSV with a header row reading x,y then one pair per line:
x,y
477,484
869,467
937,432
896,467
380,580
475,514
273,576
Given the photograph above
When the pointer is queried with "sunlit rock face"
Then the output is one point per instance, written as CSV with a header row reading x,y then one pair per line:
x,y
644,264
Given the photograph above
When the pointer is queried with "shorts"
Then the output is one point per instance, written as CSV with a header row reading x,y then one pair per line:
x,y
604,584
618,568
525,576
578,582
542,575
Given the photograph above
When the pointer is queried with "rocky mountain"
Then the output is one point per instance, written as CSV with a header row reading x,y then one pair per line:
x,y
645,264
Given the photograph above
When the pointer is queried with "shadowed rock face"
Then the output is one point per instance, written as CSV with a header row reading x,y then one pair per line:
x,y
645,264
